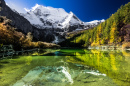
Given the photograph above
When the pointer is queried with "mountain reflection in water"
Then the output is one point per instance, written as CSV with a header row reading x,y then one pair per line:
x,y
67,67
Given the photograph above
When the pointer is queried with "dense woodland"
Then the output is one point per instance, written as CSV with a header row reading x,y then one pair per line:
x,y
115,30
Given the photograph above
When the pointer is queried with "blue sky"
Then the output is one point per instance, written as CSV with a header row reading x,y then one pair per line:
x,y
86,10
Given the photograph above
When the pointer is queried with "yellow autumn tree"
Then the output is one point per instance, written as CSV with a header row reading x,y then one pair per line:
x,y
99,32
113,33
29,36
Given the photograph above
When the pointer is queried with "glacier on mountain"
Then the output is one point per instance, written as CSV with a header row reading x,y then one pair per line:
x,y
44,17
49,17
56,20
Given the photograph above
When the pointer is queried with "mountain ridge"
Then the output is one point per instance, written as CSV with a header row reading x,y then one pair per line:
x,y
48,17
23,25
59,27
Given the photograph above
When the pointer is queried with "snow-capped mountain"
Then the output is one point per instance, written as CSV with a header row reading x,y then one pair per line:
x,y
48,17
45,23
95,22
92,24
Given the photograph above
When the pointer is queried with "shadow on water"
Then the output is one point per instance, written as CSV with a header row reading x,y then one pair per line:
x,y
67,67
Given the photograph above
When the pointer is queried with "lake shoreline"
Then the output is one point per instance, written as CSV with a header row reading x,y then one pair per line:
x,y
109,47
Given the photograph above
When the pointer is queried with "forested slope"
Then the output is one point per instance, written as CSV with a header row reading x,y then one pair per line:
x,y
10,35
115,30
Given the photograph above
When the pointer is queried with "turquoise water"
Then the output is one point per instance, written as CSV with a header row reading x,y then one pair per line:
x,y
67,67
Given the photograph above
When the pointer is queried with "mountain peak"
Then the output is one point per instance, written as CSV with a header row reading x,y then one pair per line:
x,y
94,22
33,8
45,17
43,8
49,17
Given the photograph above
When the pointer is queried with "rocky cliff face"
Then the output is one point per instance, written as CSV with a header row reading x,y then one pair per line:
x,y
18,21
24,25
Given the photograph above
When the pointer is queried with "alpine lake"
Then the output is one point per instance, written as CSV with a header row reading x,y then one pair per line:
x,y
67,67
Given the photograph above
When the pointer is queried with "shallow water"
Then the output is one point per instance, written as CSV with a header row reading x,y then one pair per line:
x,y
67,67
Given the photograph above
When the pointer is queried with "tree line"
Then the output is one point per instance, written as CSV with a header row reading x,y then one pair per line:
x,y
108,32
